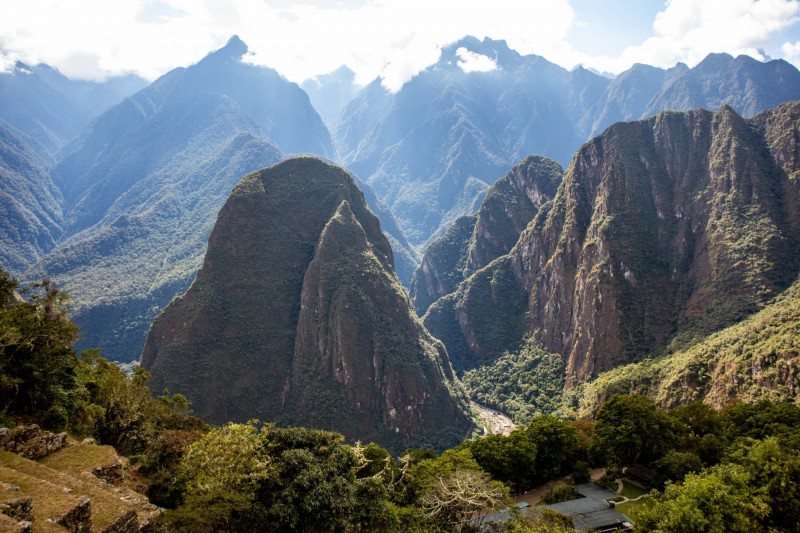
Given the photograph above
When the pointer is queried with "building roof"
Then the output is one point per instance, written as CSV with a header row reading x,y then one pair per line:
x,y
581,505
598,520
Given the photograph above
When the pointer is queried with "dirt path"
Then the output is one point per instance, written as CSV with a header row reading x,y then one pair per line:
x,y
493,421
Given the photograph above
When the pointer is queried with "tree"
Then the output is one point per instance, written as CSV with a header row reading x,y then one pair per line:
x,y
529,455
675,466
510,459
454,498
557,445
630,429
720,500
776,470
560,492
37,362
451,488
231,458
315,487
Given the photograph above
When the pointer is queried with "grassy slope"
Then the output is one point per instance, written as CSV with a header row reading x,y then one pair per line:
x,y
756,358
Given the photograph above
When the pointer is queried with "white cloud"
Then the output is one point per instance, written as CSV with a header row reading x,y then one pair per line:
x,y
473,62
791,52
689,30
391,38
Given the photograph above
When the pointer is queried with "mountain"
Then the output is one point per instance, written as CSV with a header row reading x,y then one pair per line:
x,y
747,85
628,96
143,183
754,359
142,131
661,232
297,317
473,242
52,109
30,203
430,149
331,92
434,146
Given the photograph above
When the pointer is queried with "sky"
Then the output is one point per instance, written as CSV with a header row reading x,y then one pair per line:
x,y
393,39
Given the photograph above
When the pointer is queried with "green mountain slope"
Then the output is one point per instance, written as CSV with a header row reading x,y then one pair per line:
x,y
30,203
661,232
149,244
758,358
297,317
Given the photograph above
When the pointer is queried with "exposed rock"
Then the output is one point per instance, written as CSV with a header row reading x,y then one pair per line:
x,y
662,231
111,474
473,242
19,508
297,317
127,523
79,518
9,525
31,442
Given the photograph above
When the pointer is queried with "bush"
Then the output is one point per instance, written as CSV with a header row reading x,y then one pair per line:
x,y
561,492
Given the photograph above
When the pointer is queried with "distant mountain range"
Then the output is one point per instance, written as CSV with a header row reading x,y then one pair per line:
x,y
431,149
127,193
51,109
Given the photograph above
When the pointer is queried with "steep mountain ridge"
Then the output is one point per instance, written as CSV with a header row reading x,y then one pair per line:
x,y
757,358
429,149
473,242
51,109
297,317
143,183
433,146
30,203
662,231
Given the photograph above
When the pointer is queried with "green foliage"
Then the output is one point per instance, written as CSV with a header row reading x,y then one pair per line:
x,y
631,430
521,384
445,259
511,459
38,367
451,488
581,472
232,457
529,455
722,500
541,520
675,466
754,359
560,492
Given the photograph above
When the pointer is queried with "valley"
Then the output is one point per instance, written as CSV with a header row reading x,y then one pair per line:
x,y
344,306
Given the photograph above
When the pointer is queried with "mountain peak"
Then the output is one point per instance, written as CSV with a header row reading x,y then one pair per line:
x,y
234,48
496,50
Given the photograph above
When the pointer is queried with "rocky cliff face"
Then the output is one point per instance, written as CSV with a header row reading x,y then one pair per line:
x,y
297,317
661,231
475,241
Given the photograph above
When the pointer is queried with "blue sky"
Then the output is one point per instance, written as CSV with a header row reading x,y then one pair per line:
x,y
393,39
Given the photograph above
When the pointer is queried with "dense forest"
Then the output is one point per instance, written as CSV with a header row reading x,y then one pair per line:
x,y
732,469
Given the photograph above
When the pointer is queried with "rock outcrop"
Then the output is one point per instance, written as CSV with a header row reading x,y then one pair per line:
x,y
661,232
298,318
31,442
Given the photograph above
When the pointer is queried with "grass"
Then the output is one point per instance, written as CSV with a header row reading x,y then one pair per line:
x,y
627,507
632,491
46,486
81,458
49,499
